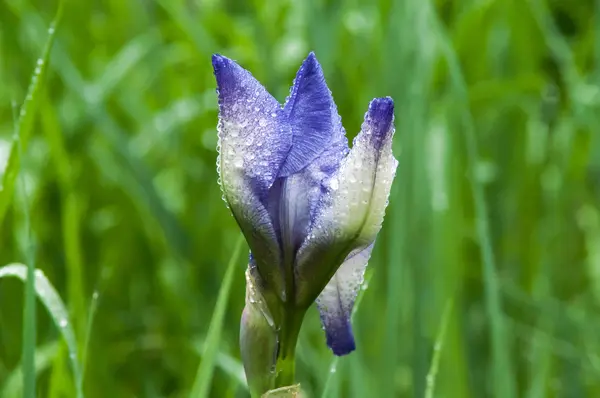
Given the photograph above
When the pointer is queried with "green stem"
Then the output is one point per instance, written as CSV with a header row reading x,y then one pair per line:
x,y
286,360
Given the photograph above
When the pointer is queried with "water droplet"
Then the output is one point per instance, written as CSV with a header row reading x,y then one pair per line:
x,y
262,122
333,369
63,323
273,114
334,184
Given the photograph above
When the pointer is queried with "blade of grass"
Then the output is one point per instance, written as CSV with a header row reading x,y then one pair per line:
x,y
13,384
202,382
188,24
334,362
503,381
88,331
55,306
229,365
71,211
136,177
25,120
22,132
437,349
29,310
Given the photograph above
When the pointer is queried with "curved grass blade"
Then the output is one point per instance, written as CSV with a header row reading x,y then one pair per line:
x,y
285,392
334,362
53,303
437,349
211,344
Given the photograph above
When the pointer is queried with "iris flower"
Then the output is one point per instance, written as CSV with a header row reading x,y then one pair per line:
x,y
309,207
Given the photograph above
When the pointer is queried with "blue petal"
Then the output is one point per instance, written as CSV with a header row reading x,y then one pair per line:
x,y
319,144
253,123
350,214
312,114
254,140
337,301
378,121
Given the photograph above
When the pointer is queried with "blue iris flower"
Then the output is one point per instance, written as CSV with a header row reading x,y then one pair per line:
x,y
309,206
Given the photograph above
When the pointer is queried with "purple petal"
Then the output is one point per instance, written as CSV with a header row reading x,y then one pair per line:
x,y
254,140
313,116
378,121
350,214
254,124
319,144
336,301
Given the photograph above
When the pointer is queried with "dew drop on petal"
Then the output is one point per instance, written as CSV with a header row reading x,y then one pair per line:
x,y
334,184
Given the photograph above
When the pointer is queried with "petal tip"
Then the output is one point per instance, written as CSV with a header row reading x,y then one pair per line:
x,y
311,64
382,108
341,344
219,61
380,116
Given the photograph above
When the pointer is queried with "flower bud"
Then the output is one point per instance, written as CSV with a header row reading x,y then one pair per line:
x,y
258,340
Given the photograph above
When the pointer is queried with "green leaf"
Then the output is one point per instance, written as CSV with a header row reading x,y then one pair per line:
x,y
57,310
284,392
202,382
437,349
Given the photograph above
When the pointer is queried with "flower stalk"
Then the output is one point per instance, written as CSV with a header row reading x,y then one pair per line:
x,y
286,360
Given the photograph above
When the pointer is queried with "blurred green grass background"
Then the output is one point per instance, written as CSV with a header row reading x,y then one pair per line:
x,y
495,205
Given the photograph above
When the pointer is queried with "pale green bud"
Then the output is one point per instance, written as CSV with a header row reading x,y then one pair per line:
x,y
258,340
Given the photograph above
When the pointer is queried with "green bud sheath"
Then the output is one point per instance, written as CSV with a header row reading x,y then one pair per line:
x,y
258,341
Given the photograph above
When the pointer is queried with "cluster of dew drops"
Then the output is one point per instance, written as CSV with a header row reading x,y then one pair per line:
x,y
244,159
